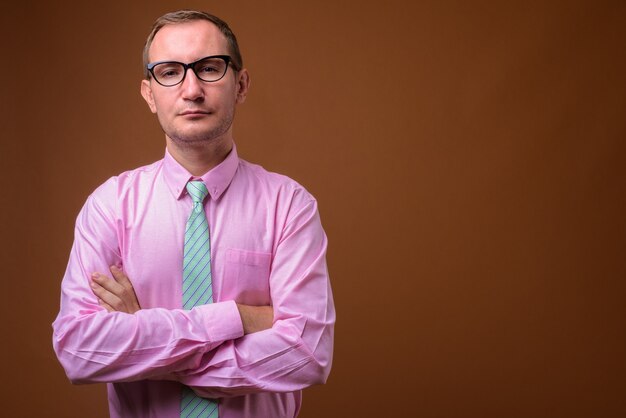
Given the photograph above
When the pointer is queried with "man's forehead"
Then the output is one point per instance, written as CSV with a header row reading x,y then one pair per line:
x,y
188,41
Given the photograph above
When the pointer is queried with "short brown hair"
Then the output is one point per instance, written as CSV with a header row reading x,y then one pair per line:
x,y
183,16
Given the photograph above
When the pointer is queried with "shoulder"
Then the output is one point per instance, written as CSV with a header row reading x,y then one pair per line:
x,y
123,187
273,185
269,180
278,196
127,181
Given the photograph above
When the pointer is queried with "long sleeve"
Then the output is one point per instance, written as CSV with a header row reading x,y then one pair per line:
x,y
94,345
297,351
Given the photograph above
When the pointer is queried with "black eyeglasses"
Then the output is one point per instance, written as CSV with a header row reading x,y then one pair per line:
x,y
171,73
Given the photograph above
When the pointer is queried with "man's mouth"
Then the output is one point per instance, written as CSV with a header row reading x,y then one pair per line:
x,y
194,112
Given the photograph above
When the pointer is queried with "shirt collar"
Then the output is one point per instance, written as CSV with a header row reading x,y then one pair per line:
x,y
216,180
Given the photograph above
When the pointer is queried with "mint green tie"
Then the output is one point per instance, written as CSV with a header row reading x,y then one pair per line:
x,y
197,289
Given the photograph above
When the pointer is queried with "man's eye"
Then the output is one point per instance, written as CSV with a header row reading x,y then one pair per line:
x,y
208,69
168,72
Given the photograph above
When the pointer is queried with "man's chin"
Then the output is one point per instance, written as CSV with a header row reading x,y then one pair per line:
x,y
195,139
198,134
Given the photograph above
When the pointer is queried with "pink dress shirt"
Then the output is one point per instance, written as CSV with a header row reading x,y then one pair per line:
x,y
267,247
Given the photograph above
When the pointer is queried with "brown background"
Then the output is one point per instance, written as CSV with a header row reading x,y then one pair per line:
x,y
468,158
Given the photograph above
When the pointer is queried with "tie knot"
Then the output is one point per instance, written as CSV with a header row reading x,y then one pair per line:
x,y
197,190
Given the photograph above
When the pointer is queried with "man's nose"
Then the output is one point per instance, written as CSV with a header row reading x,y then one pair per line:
x,y
192,86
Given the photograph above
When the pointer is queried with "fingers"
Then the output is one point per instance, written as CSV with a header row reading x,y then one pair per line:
x,y
127,295
117,293
101,287
105,305
111,285
120,277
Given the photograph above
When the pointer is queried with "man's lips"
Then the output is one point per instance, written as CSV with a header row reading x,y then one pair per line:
x,y
194,112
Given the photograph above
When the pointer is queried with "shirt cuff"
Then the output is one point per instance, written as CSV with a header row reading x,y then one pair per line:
x,y
222,321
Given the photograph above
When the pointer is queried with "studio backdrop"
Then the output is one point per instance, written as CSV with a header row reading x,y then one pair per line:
x,y
467,158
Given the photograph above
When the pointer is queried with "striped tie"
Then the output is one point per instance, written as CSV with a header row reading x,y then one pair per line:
x,y
197,289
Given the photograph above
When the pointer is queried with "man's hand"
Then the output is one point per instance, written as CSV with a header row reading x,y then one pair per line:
x,y
256,318
116,294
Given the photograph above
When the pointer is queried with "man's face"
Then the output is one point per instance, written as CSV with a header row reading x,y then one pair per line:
x,y
194,112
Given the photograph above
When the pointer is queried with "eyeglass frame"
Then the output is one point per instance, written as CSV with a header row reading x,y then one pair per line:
x,y
226,58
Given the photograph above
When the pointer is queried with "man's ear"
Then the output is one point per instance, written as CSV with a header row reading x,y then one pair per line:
x,y
243,84
146,92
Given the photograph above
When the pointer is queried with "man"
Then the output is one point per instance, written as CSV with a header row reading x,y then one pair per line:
x,y
219,302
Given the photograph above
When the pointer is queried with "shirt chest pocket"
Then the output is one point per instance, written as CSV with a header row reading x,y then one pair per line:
x,y
246,277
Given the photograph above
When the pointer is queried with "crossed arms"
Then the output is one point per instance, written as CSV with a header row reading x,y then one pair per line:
x,y
116,294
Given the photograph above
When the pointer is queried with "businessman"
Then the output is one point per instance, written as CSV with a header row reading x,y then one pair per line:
x,y
197,286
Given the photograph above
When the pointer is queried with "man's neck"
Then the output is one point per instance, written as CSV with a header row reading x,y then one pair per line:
x,y
199,159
